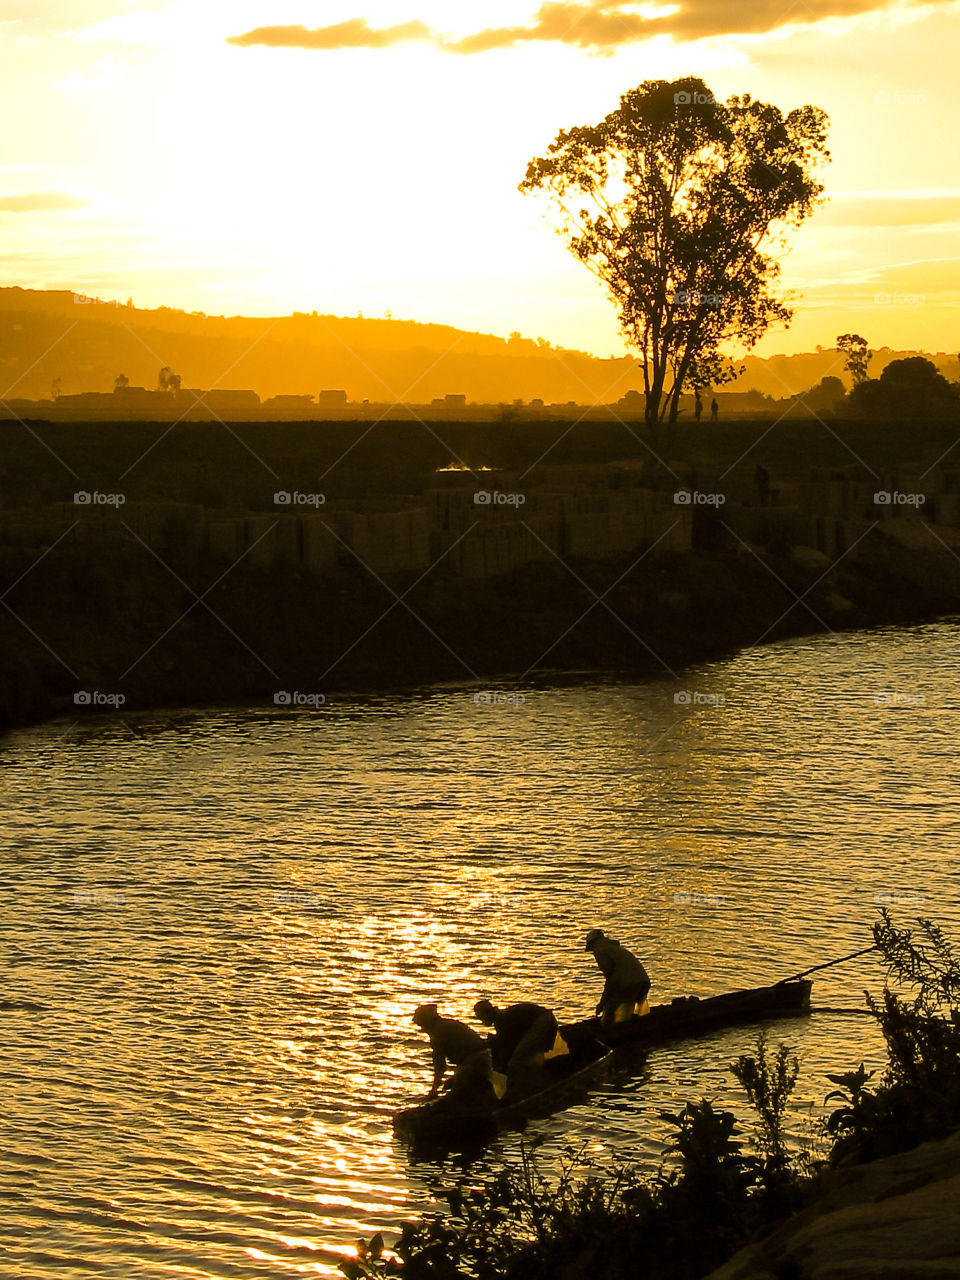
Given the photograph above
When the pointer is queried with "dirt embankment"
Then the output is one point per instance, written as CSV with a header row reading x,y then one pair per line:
x,y
115,628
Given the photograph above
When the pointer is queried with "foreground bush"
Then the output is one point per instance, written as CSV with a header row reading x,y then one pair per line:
x,y
918,1098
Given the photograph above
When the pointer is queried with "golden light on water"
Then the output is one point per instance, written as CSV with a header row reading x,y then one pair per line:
x,y
228,1059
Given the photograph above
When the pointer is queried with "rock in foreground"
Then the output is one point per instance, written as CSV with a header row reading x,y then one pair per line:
x,y
893,1219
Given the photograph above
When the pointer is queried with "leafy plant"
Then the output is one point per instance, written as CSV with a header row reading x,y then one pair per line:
x,y
768,1082
849,1124
918,1097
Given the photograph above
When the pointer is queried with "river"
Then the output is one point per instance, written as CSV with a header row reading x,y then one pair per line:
x,y
229,916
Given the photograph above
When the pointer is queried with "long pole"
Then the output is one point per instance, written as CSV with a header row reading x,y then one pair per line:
x,y
829,964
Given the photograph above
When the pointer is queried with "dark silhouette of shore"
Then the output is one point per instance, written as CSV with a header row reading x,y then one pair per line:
x,y
146,567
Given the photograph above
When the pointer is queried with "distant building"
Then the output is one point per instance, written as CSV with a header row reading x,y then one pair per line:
x,y
85,399
455,402
634,401
290,402
217,401
139,398
332,399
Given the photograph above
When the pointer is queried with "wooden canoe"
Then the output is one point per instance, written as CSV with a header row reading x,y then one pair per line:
x,y
444,1121
690,1016
593,1049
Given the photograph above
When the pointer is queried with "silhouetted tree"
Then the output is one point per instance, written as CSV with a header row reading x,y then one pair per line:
x,y
168,380
56,388
120,381
827,394
672,202
911,388
858,357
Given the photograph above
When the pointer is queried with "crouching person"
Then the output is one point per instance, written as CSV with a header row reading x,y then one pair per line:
x,y
453,1043
525,1035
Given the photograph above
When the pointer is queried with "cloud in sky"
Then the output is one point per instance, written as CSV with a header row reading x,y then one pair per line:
x,y
601,26
48,17
891,209
356,33
35,201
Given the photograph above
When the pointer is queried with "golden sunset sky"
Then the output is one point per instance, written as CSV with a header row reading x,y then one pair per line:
x,y
266,156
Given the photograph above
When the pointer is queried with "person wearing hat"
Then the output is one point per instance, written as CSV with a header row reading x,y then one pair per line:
x,y
452,1042
626,986
524,1034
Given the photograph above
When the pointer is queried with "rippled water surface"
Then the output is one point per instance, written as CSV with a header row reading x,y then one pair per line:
x,y
228,918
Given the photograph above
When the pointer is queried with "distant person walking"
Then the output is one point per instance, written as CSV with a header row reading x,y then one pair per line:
x,y
697,405
626,986
714,411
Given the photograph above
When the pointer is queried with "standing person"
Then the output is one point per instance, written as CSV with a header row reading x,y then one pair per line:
x,y
714,411
626,985
697,404
452,1042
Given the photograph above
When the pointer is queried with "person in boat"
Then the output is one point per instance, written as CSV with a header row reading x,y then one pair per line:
x,y
523,1033
627,985
453,1043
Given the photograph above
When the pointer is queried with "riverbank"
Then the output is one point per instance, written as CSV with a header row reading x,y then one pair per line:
x,y
893,1219
186,570
115,628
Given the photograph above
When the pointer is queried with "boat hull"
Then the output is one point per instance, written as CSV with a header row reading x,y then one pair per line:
x,y
690,1016
444,1121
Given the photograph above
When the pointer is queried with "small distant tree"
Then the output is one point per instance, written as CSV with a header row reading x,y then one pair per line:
x,y
56,388
674,201
120,381
168,381
858,357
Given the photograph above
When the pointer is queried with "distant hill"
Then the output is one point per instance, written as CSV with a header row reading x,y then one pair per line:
x,y
86,343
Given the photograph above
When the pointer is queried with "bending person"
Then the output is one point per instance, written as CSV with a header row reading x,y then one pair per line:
x,y
523,1036
452,1042
626,986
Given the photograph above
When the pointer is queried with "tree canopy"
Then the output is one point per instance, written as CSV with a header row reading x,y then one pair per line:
x,y
907,389
677,202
